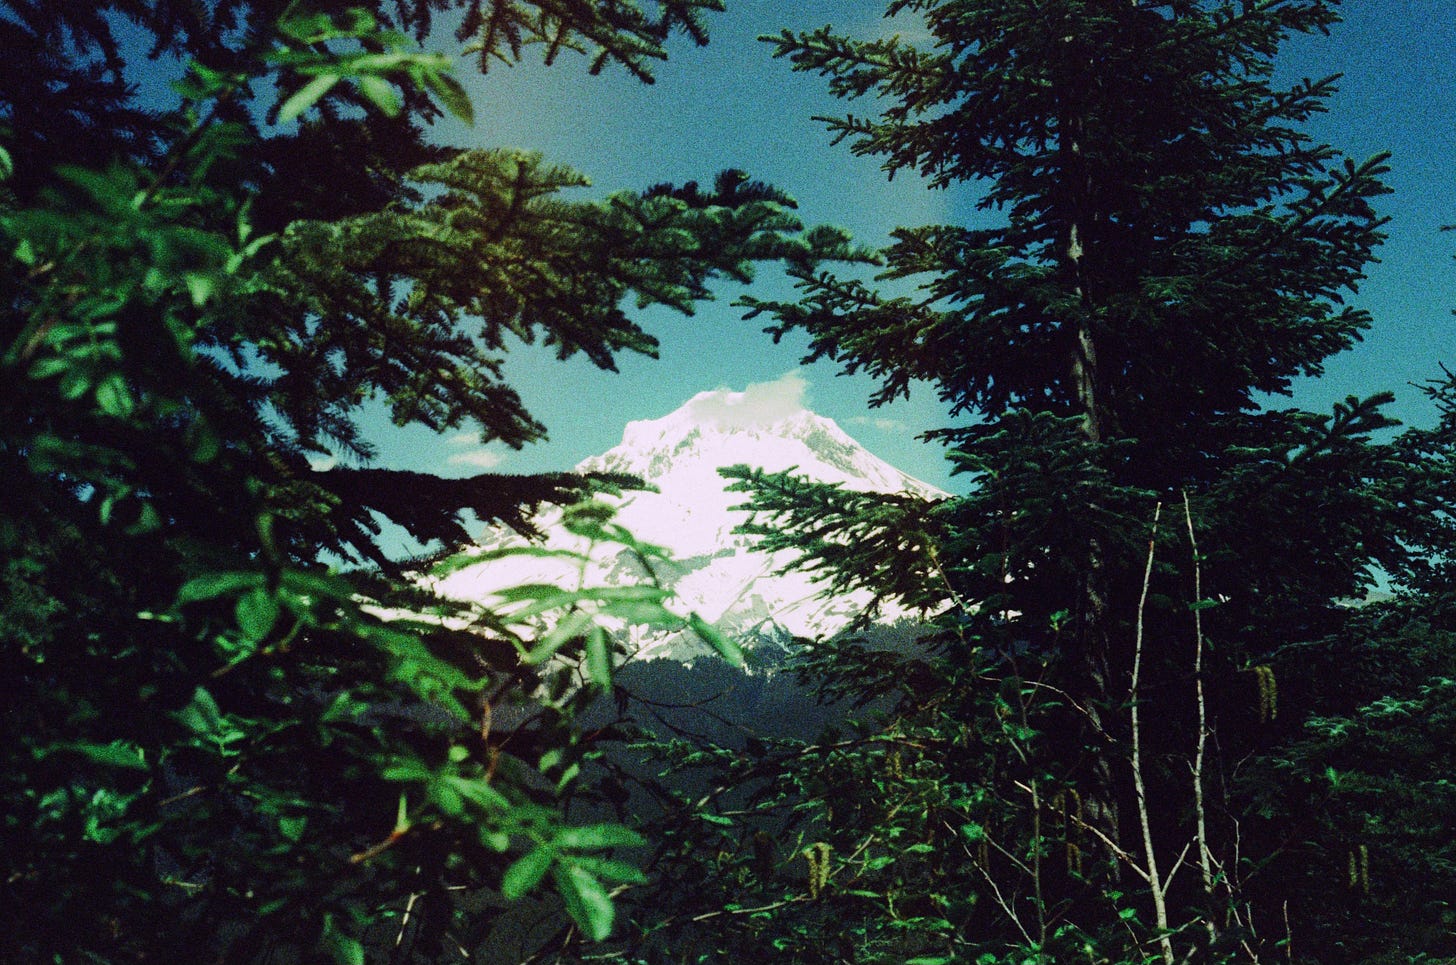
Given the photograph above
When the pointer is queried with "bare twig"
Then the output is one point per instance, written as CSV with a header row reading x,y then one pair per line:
x,y
1112,846
749,911
1182,855
1041,925
1071,702
1155,883
404,919
1006,906
378,848
1205,857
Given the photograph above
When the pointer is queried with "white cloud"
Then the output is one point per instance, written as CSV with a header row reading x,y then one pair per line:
x,y
479,459
883,424
762,403
469,452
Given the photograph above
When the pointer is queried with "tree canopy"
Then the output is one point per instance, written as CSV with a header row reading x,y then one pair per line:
x,y
1144,718
218,745
1132,734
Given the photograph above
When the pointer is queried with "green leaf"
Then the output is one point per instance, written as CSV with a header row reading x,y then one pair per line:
x,y
257,612
212,585
306,96
592,837
612,869
74,384
713,637
460,561
148,521
380,93
479,792
563,633
598,657
553,598
49,366
108,504
115,754
650,613
345,949
586,900
452,95
202,715
548,592
200,287
526,872
345,708
314,583
307,28
202,441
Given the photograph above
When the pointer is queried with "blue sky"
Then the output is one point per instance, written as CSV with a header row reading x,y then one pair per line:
x,y
731,105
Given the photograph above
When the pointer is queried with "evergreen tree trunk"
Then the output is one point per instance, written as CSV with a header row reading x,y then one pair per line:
x,y
1173,251
1094,678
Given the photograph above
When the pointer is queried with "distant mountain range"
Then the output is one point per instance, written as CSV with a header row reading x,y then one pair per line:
x,y
713,572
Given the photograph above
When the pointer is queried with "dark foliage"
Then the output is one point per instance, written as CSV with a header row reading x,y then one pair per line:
x,y
216,746
1146,722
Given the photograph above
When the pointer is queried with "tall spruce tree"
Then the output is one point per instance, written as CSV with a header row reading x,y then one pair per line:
x,y
216,747
1145,584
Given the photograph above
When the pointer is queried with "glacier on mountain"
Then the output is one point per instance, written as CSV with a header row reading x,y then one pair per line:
x,y
713,571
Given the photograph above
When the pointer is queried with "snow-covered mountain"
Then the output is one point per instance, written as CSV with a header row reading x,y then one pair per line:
x,y
714,572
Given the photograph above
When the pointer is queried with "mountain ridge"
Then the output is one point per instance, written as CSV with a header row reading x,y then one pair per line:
x,y
713,571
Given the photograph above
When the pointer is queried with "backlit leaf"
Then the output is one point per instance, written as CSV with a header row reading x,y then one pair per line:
x,y
306,96
586,900
526,872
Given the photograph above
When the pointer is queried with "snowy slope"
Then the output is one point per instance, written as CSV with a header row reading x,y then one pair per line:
x,y
714,572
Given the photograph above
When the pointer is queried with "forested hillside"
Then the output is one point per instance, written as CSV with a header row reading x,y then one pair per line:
x,y
1152,714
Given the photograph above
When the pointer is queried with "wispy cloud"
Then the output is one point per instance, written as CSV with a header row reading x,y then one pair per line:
x,y
883,424
762,403
469,451
480,459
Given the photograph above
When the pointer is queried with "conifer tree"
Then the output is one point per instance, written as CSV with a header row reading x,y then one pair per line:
x,y
217,747
1144,580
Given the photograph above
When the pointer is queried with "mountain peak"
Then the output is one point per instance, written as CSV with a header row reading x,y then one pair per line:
x,y
762,429
772,407
717,572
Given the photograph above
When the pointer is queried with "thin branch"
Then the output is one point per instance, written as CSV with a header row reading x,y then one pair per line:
x,y
1006,907
1155,883
750,911
1168,881
1111,845
1205,857
405,918
1071,702
1041,925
